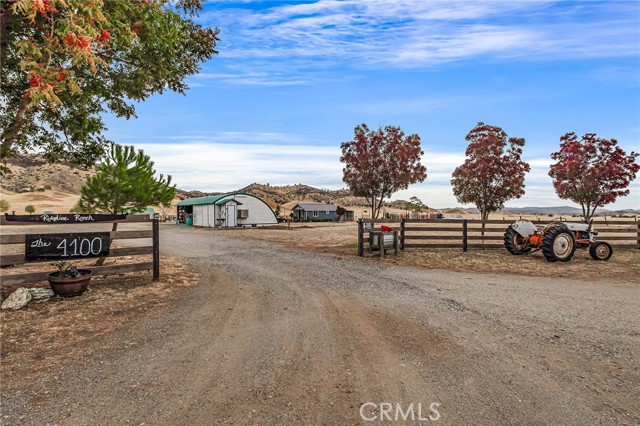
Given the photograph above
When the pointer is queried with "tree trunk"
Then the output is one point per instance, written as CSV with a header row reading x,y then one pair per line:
x,y
10,135
587,212
101,260
379,207
374,213
371,202
484,215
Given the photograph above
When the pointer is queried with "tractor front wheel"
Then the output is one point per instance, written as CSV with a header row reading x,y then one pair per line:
x,y
600,251
515,243
558,244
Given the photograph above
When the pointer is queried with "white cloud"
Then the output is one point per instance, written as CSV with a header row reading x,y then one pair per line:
x,y
225,166
418,33
232,137
215,166
249,79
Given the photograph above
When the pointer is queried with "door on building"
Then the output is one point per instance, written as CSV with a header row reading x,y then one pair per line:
x,y
232,219
212,215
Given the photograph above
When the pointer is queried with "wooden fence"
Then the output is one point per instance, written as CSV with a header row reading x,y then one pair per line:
x,y
14,240
469,234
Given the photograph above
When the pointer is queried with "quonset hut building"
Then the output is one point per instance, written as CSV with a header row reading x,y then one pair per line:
x,y
228,210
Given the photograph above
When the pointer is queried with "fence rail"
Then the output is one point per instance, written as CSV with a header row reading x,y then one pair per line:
x,y
475,234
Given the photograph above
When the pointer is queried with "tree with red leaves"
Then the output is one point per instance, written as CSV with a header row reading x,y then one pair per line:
x,y
489,177
592,172
381,162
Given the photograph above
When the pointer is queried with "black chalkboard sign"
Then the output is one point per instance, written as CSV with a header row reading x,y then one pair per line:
x,y
66,246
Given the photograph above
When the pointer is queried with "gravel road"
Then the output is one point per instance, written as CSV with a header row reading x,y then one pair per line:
x,y
275,336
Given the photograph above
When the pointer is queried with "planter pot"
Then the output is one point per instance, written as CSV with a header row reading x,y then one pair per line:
x,y
70,286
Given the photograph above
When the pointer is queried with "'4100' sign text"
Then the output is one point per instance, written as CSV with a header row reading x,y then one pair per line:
x,y
61,246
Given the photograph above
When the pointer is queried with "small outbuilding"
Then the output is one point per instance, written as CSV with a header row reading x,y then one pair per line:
x,y
315,212
228,210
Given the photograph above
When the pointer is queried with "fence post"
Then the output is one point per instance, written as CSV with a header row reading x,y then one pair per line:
x,y
360,238
156,247
464,235
402,230
638,234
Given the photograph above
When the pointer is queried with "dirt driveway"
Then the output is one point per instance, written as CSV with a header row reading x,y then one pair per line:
x,y
275,336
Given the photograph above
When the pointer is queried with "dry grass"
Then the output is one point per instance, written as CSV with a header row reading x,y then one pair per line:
x,y
42,336
623,268
341,240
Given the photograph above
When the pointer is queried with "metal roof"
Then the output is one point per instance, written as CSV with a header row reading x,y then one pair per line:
x,y
317,207
213,199
201,200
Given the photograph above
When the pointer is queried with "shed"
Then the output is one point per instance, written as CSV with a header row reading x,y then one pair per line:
x,y
228,210
315,212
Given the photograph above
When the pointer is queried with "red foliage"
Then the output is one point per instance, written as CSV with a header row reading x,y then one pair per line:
x,y
34,80
81,41
385,228
43,7
381,162
592,171
489,177
70,39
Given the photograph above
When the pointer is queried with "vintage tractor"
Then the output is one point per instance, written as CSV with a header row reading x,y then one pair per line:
x,y
557,240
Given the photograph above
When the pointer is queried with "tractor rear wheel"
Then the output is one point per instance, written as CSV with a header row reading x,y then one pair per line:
x,y
600,251
515,243
558,244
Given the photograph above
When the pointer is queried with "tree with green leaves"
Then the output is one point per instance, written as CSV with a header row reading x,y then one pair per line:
x,y
4,206
417,205
67,62
30,209
125,182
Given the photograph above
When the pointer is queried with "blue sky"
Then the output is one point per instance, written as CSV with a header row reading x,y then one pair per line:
x,y
293,79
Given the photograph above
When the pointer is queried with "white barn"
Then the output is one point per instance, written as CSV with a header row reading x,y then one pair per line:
x,y
228,210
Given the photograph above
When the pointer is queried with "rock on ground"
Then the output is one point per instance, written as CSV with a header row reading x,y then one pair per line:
x,y
18,299
40,294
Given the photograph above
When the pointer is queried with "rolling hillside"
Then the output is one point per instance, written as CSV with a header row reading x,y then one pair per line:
x,y
57,187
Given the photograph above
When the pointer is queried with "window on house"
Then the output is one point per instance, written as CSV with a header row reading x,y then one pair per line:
x,y
328,212
316,213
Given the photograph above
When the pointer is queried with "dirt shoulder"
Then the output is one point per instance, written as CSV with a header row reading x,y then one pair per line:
x,y
46,336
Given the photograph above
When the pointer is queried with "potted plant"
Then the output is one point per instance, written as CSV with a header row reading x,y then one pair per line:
x,y
68,280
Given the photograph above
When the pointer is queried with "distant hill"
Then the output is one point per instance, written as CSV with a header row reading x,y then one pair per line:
x,y
35,181
300,192
555,210
566,210
31,173
543,210
290,194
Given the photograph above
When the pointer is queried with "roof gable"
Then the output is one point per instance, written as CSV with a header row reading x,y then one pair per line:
x,y
317,207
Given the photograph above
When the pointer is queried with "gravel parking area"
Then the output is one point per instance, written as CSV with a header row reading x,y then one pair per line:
x,y
278,335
